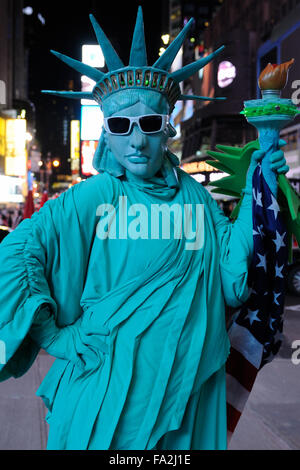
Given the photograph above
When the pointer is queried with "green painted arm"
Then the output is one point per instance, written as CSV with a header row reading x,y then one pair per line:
x,y
235,161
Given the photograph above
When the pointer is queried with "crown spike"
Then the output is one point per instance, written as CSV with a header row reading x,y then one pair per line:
x,y
201,98
138,53
112,59
167,58
84,69
70,94
192,68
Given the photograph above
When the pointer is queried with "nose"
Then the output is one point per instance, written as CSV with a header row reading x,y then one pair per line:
x,y
138,140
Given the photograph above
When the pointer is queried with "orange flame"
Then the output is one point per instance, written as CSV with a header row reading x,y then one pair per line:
x,y
274,76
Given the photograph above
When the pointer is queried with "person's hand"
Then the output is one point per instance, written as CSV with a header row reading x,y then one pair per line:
x,y
81,345
276,163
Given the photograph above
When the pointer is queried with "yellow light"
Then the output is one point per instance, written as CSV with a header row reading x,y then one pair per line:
x,y
196,167
16,156
192,40
28,137
206,23
2,136
56,163
161,51
40,163
165,38
75,140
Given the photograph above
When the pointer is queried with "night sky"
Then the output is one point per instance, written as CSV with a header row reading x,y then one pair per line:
x,y
67,27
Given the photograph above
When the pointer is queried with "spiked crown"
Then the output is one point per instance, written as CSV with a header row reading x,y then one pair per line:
x,y
137,74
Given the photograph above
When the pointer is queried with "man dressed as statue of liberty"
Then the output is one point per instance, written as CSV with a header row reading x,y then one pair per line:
x,y
135,320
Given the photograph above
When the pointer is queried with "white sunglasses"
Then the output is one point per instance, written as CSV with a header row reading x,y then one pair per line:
x,y
148,123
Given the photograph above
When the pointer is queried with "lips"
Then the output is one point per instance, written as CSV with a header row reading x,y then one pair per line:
x,y
138,158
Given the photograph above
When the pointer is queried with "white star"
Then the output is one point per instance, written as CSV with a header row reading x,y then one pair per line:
x,y
259,228
272,320
274,206
252,291
275,297
279,240
258,199
278,270
262,262
252,316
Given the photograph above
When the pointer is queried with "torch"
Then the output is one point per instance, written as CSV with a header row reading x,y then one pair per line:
x,y
271,113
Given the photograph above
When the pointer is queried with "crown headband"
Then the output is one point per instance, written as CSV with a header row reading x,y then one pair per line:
x,y
138,74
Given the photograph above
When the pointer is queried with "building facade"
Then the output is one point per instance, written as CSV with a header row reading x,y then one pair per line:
x,y
15,108
254,33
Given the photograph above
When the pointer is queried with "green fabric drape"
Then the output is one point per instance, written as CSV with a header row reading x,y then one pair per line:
x,y
163,304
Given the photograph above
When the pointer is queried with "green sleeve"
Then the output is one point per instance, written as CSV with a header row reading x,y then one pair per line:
x,y
235,242
24,288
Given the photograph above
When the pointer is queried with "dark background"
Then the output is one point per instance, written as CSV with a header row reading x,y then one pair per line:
x,y
67,27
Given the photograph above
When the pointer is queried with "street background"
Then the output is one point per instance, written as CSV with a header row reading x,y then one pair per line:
x,y
271,418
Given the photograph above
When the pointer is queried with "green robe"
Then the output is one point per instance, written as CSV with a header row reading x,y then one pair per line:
x,y
162,383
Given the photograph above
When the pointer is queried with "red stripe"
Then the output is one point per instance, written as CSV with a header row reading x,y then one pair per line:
x,y
233,417
241,369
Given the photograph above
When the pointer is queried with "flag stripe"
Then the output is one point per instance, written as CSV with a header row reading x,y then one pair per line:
x,y
256,328
233,417
238,366
244,342
237,395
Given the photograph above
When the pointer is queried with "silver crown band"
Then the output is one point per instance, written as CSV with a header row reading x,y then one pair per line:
x,y
140,78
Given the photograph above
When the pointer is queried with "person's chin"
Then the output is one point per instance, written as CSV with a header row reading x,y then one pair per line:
x,y
140,169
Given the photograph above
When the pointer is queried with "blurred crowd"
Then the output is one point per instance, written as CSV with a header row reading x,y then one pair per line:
x,y
11,217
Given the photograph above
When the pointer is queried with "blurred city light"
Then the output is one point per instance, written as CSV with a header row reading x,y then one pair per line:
x,y
165,38
92,55
56,163
28,10
16,157
41,18
226,73
91,122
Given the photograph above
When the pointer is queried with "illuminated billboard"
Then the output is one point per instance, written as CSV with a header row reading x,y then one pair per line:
x,y
92,55
88,148
75,140
11,189
226,73
2,136
91,122
87,85
16,155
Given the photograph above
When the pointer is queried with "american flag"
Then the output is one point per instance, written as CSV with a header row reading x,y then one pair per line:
x,y
255,332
